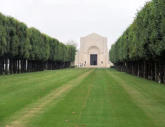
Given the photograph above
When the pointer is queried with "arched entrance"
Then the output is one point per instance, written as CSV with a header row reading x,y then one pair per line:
x,y
93,59
93,52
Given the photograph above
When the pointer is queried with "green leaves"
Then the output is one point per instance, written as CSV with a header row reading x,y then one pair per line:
x,y
20,42
145,37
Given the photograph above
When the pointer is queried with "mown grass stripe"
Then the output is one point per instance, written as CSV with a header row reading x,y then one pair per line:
x,y
99,101
14,101
68,111
147,103
109,105
104,98
43,102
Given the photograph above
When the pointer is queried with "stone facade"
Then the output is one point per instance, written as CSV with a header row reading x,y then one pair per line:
x,y
93,52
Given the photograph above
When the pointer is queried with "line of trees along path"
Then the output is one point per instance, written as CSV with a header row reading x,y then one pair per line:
x,y
141,49
24,49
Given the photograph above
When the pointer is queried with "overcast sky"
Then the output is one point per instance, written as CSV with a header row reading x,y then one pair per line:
x,y
72,19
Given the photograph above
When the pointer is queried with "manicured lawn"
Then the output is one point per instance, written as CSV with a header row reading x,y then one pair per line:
x,y
80,98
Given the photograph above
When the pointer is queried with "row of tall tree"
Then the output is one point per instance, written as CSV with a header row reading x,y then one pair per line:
x,y
24,49
141,49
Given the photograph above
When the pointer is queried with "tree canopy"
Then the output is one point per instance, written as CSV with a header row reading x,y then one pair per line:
x,y
144,39
18,42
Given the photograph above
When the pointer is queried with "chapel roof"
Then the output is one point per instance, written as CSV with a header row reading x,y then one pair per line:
x,y
93,35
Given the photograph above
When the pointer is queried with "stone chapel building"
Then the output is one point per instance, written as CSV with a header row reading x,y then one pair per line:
x,y
93,52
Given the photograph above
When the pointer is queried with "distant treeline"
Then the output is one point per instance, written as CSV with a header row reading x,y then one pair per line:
x,y
141,49
24,49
